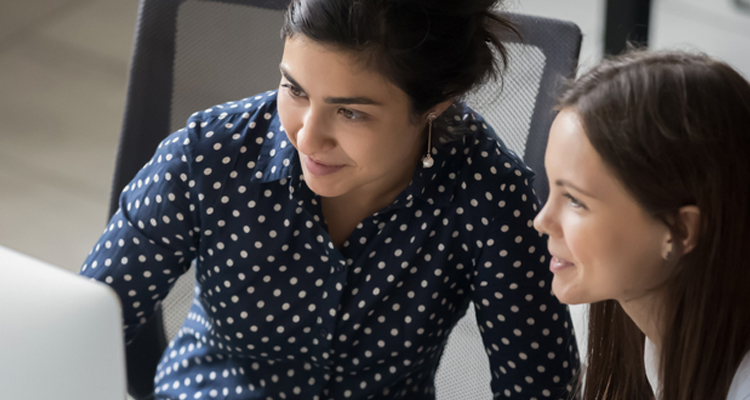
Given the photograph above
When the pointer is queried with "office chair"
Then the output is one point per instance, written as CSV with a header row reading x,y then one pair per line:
x,y
520,109
192,54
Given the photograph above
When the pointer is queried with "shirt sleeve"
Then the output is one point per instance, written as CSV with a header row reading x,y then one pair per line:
x,y
527,333
151,239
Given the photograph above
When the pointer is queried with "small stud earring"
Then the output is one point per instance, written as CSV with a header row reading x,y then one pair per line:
x,y
668,253
427,160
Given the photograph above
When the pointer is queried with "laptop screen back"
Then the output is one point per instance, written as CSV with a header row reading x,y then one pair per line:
x,y
60,334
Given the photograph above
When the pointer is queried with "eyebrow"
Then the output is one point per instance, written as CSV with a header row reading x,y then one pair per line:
x,y
561,182
332,100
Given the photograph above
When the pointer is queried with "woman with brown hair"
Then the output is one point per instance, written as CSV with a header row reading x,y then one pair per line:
x,y
649,219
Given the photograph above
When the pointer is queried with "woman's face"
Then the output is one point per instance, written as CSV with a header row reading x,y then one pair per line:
x,y
603,243
352,127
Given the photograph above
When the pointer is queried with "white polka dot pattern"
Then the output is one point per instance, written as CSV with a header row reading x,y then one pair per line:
x,y
281,313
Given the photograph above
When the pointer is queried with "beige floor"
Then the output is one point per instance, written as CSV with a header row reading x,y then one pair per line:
x,y
63,75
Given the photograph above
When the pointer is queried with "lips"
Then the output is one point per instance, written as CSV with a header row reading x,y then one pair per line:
x,y
320,169
557,264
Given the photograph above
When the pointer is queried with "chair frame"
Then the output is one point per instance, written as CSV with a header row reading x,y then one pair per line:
x,y
550,85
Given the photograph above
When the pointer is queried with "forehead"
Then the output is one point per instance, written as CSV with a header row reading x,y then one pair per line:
x,y
568,144
571,157
330,71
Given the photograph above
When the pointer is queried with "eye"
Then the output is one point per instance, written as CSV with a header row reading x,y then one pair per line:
x,y
293,91
349,114
574,202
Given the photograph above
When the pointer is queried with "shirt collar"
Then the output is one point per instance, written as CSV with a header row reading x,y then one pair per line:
x,y
433,185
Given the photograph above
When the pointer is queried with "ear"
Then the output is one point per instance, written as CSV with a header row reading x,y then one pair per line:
x,y
690,218
439,108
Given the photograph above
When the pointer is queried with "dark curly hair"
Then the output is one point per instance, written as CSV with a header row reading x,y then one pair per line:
x,y
433,50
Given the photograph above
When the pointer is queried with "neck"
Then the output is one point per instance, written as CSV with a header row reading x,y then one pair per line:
x,y
644,311
364,204
344,213
376,195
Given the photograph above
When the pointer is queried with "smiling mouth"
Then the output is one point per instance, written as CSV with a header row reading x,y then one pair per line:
x,y
320,169
558,264
323,164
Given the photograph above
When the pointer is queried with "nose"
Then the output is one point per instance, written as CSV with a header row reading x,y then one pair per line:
x,y
544,221
315,136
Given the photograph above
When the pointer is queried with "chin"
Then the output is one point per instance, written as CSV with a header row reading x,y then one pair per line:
x,y
323,189
568,293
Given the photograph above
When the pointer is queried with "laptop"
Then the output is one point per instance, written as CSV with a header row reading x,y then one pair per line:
x,y
60,334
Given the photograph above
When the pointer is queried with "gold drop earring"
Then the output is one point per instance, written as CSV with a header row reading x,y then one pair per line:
x,y
427,160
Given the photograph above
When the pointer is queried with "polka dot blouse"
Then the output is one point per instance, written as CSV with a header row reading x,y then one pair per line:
x,y
281,313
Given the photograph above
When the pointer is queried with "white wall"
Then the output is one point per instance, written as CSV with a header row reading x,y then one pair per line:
x,y
719,28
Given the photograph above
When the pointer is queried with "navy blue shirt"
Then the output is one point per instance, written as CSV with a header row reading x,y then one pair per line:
x,y
281,313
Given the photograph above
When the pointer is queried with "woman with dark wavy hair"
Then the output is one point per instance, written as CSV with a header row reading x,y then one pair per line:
x,y
649,219
342,225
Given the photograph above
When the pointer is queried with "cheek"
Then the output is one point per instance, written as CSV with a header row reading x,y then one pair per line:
x,y
597,254
587,244
615,263
379,147
364,147
641,267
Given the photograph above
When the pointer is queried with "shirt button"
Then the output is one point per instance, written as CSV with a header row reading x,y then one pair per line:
x,y
323,333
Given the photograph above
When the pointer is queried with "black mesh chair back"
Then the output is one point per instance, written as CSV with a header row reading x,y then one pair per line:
x,y
521,112
192,54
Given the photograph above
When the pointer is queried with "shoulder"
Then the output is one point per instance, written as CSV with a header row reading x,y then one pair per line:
x,y
740,389
226,140
233,127
481,145
487,167
253,112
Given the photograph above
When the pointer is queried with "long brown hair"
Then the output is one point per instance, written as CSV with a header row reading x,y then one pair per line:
x,y
675,130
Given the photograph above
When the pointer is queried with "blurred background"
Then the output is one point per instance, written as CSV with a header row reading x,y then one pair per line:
x,y
63,77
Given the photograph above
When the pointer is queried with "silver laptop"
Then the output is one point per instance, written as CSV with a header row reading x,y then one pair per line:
x,y
60,334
